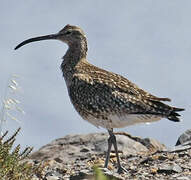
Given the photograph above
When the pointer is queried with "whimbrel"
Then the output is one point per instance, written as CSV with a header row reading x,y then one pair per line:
x,y
103,98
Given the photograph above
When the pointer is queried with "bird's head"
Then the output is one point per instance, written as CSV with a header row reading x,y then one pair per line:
x,y
69,34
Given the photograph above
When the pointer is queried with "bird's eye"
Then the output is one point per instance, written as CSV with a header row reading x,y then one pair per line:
x,y
68,32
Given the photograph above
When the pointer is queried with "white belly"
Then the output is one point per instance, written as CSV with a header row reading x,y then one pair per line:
x,y
116,121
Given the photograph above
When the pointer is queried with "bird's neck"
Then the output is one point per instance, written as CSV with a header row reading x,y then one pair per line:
x,y
74,54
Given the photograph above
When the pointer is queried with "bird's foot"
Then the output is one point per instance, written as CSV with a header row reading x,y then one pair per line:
x,y
122,170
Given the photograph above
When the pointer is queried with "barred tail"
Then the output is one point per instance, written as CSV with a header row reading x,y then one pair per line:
x,y
174,116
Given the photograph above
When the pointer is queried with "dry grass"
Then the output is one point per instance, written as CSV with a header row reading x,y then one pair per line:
x,y
12,166
10,103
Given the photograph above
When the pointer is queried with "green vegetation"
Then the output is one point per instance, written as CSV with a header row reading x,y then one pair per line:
x,y
12,166
98,175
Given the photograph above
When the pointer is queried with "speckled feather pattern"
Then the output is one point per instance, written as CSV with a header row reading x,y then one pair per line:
x,y
104,98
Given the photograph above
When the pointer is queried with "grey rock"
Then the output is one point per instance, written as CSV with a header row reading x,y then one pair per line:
x,y
74,156
81,147
52,178
179,148
169,169
176,168
185,137
183,178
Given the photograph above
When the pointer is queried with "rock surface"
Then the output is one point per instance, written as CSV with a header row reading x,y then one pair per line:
x,y
73,157
184,138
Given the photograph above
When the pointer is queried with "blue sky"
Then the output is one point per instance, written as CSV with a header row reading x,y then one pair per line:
x,y
146,41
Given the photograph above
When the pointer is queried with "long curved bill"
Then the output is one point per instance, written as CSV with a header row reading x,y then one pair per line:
x,y
40,38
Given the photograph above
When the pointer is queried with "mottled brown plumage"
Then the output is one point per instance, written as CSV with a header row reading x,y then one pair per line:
x,y
103,93
101,97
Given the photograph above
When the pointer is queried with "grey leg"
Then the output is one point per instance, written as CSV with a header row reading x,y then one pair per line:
x,y
120,168
108,152
112,140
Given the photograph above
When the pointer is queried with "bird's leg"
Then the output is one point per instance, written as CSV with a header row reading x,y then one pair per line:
x,y
108,151
114,142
